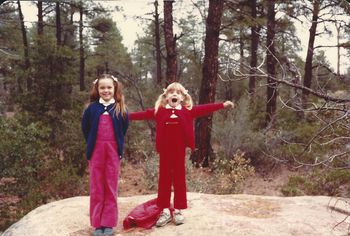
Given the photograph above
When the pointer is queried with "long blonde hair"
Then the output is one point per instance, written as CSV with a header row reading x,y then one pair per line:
x,y
161,101
118,96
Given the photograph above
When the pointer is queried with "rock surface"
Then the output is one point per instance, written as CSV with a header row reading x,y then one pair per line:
x,y
206,215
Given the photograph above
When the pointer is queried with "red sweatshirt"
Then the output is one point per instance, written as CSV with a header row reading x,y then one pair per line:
x,y
186,118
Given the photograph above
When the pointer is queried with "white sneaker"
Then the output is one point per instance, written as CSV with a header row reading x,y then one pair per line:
x,y
164,218
178,217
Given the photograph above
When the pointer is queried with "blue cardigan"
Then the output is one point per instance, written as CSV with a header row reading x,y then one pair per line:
x,y
89,125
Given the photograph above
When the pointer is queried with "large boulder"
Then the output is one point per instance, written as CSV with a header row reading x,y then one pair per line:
x,y
206,215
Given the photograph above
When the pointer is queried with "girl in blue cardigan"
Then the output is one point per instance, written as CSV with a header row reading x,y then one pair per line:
x,y
104,124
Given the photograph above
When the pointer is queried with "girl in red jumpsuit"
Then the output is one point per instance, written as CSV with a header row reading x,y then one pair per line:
x,y
174,115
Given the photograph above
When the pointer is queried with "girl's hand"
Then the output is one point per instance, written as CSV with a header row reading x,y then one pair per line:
x,y
229,104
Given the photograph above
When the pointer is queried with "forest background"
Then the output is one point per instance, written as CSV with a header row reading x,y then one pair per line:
x,y
291,114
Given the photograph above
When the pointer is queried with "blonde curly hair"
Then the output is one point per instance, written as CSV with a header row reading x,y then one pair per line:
x,y
161,101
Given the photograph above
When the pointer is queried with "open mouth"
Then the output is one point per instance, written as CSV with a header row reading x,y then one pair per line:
x,y
174,100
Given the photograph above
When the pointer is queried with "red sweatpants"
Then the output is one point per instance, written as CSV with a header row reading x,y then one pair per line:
x,y
104,172
172,170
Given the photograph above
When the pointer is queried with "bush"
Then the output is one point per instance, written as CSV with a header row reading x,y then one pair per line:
x,y
230,173
23,153
235,131
329,182
63,182
40,170
138,142
151,169
69,141
292,188
311,139
200,180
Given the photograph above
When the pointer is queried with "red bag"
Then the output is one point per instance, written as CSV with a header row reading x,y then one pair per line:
x,y
144,215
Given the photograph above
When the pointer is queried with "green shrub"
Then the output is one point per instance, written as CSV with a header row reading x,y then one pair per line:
x,y
231,172
293,187
69,142
63,182
200,180
330,182
41,170
139,142
337,183
151,169
34,197
24,150
308,140
233,131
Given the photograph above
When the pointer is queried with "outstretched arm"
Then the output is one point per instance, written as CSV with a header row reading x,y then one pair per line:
x,y
142,115
206,109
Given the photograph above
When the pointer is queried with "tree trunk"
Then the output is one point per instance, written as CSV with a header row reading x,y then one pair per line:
x,y
68,30
271,63
338,26
208,86
40,26
58,25
106,67
169,42
253,48
310,50
81,51
157,43
26,50
241,47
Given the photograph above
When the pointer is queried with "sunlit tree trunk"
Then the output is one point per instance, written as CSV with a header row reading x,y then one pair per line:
x,y
208,86
26,50
338,26
157,44
81,50
68,30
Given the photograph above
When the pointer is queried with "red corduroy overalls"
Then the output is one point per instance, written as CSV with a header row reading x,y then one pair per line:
x,y
104,172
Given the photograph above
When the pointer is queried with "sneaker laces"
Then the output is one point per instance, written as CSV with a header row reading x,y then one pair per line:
x,y
177,213
164,215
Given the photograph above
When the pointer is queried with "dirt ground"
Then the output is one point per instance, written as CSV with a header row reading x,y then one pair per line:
x,y
268,184
132,181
